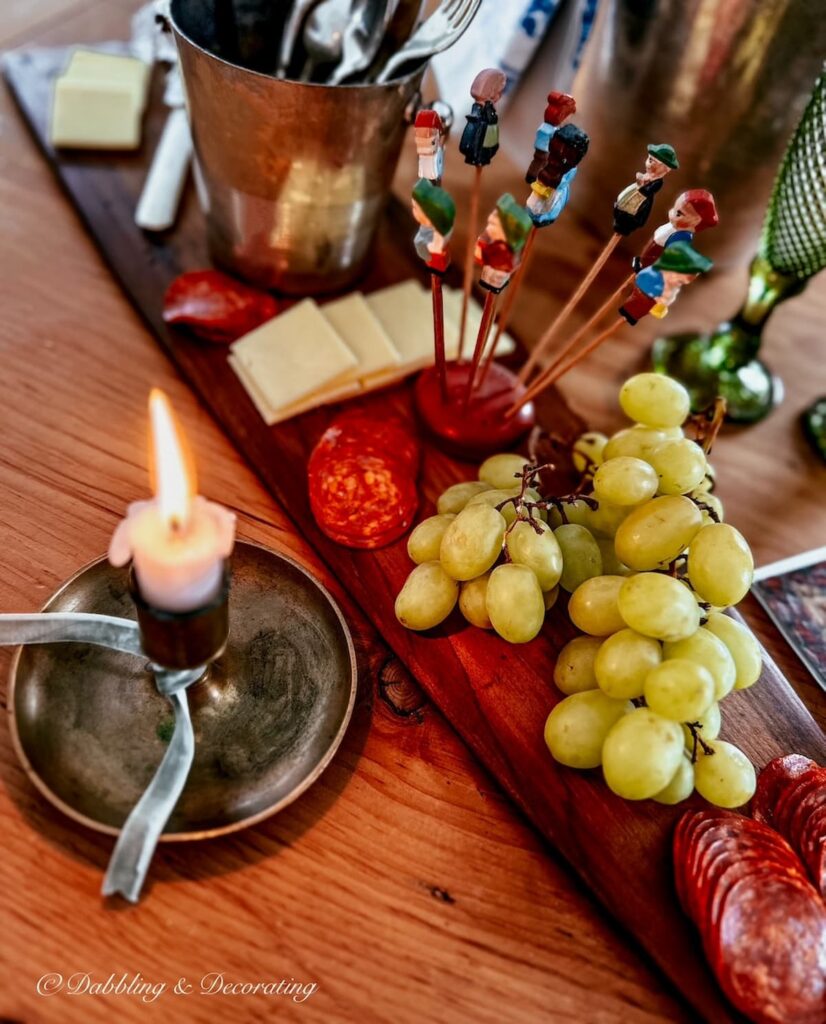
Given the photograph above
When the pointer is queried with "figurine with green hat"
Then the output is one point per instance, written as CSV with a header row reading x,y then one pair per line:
x,y
434,212
633,205
657,286
499,247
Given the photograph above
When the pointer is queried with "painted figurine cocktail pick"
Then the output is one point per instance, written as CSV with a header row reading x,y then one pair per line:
x,y
693,211
435,213
557,152
498,251
429,132
478,145
631,211
654,290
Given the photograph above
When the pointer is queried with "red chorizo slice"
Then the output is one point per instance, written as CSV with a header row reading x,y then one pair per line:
x,y
215,306
356,431
772,779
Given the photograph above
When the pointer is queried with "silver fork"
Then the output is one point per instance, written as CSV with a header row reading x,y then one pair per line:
x,y
363,37
298,12
441,30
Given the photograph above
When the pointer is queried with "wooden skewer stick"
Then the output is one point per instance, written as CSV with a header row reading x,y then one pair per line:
x,y
552,378
610,303
544,342
481,338
504,317
473,230
439,333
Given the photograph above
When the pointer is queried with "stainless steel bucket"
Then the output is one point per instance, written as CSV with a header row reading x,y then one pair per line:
x,y
293,177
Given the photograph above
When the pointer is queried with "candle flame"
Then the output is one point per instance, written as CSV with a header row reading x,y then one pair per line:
x,y
173,471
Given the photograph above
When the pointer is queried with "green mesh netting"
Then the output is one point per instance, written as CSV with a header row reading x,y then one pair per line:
x,y
794,232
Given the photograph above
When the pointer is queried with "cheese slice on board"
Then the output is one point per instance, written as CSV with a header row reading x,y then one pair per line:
x,y
294,355
364,335
406,314
94,66
272,416
94,115
453,317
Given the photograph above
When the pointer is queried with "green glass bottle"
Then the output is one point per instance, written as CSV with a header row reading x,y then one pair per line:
x,y
792,249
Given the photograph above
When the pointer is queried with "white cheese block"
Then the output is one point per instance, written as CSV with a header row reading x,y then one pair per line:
x,y
406,314
364,335
94,66
271,415
294,355
94,115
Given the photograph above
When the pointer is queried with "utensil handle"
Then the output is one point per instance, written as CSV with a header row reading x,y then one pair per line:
x,y
72,627
139,836
158,205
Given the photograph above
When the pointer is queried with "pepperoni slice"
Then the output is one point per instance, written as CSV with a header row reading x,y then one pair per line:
x,y
215,306
771,781
355,431
360,500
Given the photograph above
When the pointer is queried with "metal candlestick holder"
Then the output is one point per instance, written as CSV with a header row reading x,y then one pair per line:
x,y
261,689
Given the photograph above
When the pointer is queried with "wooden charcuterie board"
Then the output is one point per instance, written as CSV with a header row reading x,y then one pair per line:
x,y
497,696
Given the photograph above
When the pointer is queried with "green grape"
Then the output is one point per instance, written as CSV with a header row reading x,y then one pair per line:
x,y
515,603
455,498
501,471
577,511
658,606
708,726
608,518
625,481
641,753
532,494
681,786
706,485
540,551
655,533
473,601
741,644
680,465
655,400
679,689
580,555
623,662
550,597
611,565
720,565
706,649
726,777
575,730
586,451
424,542
713,502
494,498
472,542
593,606
427,597
574,669
637,441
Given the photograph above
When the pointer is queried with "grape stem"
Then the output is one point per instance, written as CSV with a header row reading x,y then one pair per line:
x,y
708,422
703,507
694,728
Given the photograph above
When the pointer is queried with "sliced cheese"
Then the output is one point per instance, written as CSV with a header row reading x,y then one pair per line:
x,y
272,416
294,355
94,115
364,335
406,314
453,317
94,66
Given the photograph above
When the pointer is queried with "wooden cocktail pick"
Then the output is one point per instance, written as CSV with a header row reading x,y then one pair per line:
x,y
554,162
498,251
631,211
653,291
478,145
435,213
693,211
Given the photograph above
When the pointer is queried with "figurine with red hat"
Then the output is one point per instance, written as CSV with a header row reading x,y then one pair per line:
x,y
693,211
549,191
559,108
429,132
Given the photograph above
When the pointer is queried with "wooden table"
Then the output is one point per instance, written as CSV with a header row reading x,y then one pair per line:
x,y
403,883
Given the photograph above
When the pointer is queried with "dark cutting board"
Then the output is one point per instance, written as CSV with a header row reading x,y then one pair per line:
x,y
497,696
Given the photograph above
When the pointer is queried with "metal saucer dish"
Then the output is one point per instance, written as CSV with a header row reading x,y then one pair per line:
x,y
90,727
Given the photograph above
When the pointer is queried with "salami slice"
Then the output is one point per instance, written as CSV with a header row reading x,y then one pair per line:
x,y
215,306
356,432
772,779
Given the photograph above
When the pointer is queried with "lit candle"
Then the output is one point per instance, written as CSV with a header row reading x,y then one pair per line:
x,y
178,541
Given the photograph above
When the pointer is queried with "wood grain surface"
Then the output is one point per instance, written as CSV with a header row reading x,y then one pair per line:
x,y
402,883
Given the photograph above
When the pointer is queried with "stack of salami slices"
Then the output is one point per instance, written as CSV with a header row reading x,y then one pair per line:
x,y
762,922
791,797
362,480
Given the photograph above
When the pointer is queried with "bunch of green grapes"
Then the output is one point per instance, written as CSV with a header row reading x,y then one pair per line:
x,y
491,550
644,683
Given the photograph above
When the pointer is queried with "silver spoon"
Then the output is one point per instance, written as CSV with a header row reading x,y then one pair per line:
x,y
324,34
363,37
298,12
